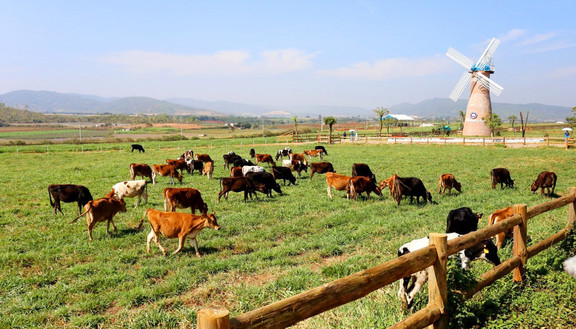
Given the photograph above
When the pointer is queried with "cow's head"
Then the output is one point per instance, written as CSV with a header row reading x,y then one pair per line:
x,y
479,216
534,187
483,250
211,221
122,204
458,186
276,187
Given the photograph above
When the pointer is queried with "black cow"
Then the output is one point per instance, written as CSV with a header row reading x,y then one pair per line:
x,y
283,173
194,165
502,176
242,162
410,186
320,147
362,169
266,180
462,221
137,147
239,184
229,158
68,193
252,153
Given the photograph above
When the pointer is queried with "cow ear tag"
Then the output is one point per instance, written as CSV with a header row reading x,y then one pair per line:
x,y
486,251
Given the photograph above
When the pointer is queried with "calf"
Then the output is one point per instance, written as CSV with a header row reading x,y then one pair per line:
x,y
497,216
140,169
184,198
410,186
313,153
462,221
447,181
68,193
236,172
409,286
137,147
361,184
283,153
229,158
238,184
299,157
362,169
502,176
99,210
194,165
242,162
203,157
266,180
338,182
284,174
130,189
247,169
166,170
295,165
266,158
320,147
546,179
321,168
252,153
208,169
177,225
179,164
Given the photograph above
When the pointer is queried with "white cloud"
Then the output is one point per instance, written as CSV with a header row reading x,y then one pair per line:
x,y
564,72
514,34
536,39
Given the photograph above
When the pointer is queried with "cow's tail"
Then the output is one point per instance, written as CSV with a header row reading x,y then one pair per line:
x,y
50,197
165,198
142,221
491,219
88,207
132,171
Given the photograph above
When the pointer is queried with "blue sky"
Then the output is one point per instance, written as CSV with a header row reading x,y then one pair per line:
x,y
286,53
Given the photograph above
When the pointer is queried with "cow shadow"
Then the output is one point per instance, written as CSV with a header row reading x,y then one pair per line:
x,y
189,250
126,232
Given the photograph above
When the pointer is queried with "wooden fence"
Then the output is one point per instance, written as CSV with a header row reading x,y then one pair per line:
x,y
291,310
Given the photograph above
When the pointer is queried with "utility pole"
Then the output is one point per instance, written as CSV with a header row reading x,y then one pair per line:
x,y
80,129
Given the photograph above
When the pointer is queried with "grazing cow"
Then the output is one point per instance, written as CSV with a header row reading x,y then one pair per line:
x,y
362,169
361,184
266,180
321,168
130,189
462,221
482,250
184,198
546,179
194,165
140,169
266,158
409,186
68,193
299,157
320,147
208,169
447,181
99,210
283,173
229,158
178,164
497,216
283,153
338,182
137,147
242,162
502,176
389,182
238,184
247,169
236,172
166,170
177,225
313,153
203,157
187,155
252,153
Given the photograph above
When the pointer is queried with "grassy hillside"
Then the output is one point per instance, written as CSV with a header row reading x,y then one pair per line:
x,y
267,250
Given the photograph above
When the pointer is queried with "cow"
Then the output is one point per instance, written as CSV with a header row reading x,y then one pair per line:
x,y
266,158
208,169
299,157
502,176
242,162
236,172
321,168
409,186
295,165
238,184
247,169
320,147
194,165
338,182
498,216
177,225
388,182
252,153
447,181
203,157
546,179
138,148
166,170
68,193
179,164
313,153
140,169
283,153
361,184
462,221
266,181
283,173
184,198
99,210
130,189
229,158
362,169
409,286
189,154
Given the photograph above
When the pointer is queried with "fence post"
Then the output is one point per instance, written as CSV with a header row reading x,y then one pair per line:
x,y
213,318
547,141
437,282
572,210
483,141
519,248
504,140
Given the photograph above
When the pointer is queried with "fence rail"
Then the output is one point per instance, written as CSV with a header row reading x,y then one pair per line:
x,y
309,303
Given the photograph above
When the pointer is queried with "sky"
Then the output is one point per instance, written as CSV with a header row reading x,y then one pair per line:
x,y
286,53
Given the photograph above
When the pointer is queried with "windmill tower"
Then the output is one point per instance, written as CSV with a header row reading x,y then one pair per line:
x,y
479,104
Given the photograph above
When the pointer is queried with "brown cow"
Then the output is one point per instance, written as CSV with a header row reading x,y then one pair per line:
x,y
266,158
236,172
208,169
546,179
388,182
176,225
99,210
178,164
447,181
299,157
338,182
313,153
140,169
497,216
203,157
321,168
239,184
502,176
166,170
361,184
184,198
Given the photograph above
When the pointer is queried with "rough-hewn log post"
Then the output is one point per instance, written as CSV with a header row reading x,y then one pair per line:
x,y
437,282
520,241
571,211
213,318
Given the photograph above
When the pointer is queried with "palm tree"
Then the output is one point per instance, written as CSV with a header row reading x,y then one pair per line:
x,y
295,118
330,121
381,112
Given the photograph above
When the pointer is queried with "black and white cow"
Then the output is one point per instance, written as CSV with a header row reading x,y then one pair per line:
x,y
283,153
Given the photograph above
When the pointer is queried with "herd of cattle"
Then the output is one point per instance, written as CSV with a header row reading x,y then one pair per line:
x,y
249,178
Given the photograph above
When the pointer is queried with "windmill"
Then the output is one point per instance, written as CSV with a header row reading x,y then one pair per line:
x,y
479,104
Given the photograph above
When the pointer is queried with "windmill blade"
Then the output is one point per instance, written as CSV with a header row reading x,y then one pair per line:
x,y
489,84
488,53
460,85
459,58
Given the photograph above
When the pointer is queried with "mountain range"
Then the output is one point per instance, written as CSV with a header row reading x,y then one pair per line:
x,y
53,102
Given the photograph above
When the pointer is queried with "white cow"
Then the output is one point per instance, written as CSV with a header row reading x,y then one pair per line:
x,y
287,163
247,169
130,189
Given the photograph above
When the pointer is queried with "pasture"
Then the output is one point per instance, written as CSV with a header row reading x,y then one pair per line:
x,y
267,249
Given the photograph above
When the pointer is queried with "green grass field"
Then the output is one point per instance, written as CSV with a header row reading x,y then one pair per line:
x,y
267,250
